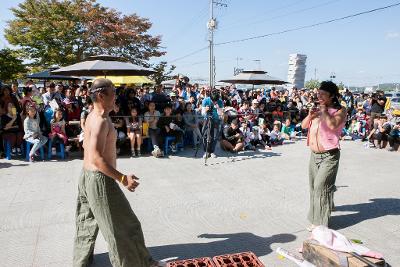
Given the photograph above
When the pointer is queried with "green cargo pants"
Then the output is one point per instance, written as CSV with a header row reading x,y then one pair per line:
x,y
323,169
102,204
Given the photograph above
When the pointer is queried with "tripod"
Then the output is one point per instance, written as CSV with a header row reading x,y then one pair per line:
x,y
206,131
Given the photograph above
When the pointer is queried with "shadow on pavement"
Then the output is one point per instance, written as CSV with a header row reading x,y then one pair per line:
x,y
231,243
378,207
4,165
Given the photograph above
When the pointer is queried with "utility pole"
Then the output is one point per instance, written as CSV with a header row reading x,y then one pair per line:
x,y
212,25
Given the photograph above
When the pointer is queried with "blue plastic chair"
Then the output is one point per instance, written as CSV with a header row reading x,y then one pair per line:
x,y
61,153
28,149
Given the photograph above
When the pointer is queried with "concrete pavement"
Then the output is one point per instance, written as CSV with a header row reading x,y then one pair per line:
x,y
255,201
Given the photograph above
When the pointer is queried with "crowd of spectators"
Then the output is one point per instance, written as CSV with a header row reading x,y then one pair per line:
x,y
154,120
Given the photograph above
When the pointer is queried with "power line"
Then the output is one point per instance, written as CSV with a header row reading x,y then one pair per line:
x,y
309,26
284,15
188,55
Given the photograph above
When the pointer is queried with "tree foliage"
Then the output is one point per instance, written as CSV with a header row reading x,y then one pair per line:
x,y
61,32
11,67
311,84
162,72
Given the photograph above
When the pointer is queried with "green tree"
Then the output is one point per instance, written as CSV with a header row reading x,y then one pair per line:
x,y
61,32
311,84
162,72
11,67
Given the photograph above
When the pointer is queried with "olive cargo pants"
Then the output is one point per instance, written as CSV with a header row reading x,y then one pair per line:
x,y
102,204
323,169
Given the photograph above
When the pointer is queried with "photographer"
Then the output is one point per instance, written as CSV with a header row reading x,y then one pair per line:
x,y
211,109
324,124
377,108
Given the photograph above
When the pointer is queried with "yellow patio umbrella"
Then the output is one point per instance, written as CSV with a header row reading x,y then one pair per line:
x,y
128,79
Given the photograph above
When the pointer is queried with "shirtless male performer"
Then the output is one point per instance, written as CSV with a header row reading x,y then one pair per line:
x,y
324,124
101,203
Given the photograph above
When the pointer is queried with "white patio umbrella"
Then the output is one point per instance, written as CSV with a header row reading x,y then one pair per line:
x,y
254,77
104,65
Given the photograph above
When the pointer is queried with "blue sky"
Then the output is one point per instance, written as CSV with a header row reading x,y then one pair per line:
x,y
361,51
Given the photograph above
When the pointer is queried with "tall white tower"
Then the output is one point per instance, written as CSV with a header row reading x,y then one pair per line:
x,y
297,70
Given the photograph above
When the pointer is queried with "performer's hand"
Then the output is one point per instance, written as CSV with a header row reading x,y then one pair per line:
x,y
131,182
313,113
323,108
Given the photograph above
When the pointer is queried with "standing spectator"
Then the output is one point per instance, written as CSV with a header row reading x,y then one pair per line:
x,y
192,124
32,131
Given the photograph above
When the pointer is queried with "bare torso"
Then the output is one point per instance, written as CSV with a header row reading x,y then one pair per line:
x,y
109,154
314,140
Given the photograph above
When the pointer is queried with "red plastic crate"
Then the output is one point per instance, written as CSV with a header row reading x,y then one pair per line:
x,y
243,259
199,262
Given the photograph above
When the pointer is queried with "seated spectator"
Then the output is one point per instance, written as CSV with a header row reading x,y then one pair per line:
x,y
277,114
232,137
119,125
151,117
276,136
12,129
87,108
134,132
169,128
32,131
27,100
245,112
379,134
394,135
57,126
265,133
192,124
247,136
288,130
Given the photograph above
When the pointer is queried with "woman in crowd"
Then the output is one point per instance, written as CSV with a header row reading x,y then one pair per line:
x,y
32,131
134,132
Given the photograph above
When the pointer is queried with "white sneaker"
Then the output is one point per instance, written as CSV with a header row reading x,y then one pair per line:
x,y
205,155
212,155
173,148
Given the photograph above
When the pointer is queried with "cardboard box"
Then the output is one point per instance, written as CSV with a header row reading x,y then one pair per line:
x,y
324,257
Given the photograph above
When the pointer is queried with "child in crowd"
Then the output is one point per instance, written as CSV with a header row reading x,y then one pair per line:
x,y
247,135
32,131
134,132
288,130
265,134
57,126
276,135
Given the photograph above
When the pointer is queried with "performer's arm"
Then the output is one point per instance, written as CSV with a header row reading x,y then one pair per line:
x,y
333,121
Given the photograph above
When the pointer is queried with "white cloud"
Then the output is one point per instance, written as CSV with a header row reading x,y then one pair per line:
x,y
392,35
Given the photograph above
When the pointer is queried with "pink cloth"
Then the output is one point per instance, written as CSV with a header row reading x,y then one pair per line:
x,y
330,138
336,241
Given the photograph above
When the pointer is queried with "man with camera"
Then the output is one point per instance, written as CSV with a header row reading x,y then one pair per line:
x,y
324,123
212,109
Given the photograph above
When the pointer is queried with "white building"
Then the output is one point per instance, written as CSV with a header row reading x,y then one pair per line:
x,y
297,70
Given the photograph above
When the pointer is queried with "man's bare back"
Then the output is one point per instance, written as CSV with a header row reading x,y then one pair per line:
x,y
107,142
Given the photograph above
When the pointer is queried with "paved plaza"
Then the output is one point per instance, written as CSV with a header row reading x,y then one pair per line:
x,y
255,201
